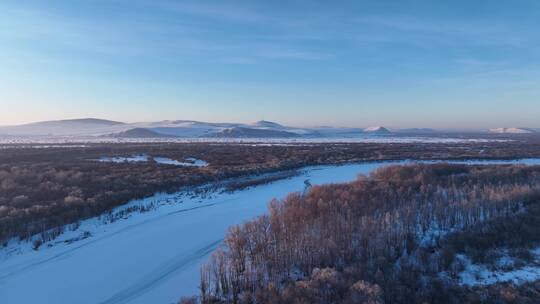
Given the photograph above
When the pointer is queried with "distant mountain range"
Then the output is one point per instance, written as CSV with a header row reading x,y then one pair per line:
x,y
178,129
92,127
513,130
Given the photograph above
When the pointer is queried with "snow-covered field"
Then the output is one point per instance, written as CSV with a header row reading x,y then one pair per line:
x,y
190,162
505,271
264,141
130,159
149,257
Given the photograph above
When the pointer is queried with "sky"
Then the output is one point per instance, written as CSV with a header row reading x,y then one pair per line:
x,y
440,64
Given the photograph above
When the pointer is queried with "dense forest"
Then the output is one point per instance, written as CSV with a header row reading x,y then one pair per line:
x,y
43,188
396,236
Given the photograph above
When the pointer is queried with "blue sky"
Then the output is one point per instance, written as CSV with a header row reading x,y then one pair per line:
x,y
441,64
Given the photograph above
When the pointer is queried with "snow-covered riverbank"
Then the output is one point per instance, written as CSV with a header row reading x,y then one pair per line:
x,y
149,257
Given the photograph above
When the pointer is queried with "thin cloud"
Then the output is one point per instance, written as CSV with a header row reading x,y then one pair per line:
x,y
445,31
280,53
213,10
142,37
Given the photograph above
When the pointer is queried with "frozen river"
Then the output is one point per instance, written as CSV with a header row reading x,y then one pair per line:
x,y
151,257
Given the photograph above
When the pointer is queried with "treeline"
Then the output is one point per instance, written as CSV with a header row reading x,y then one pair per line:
x,y
42,189
386,238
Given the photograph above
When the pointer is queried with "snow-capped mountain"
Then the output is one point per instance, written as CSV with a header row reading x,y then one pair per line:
x,y
268,124
377,130
243,132
512,131
138,133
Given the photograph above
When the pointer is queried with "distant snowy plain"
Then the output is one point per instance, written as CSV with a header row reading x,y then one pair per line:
x,y
150,257
11,140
